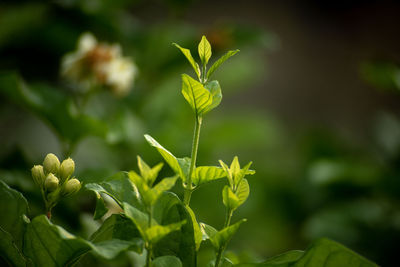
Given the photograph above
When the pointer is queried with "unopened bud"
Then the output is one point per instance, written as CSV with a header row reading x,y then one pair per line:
x,y
51,164
72,186
51,182
67,169
38,175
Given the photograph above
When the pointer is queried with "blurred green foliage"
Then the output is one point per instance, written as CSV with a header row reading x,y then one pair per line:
x,y
310,182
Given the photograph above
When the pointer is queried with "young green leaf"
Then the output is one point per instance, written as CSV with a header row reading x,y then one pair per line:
x,y
101,208
220,61
157,232
149,174
167,261
243,192
172,161
204,50
189,57
215,90
164,185
222,237
231,201
204,174
208,231
198,97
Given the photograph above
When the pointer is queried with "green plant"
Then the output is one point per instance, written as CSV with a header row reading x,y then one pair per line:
x,y
151,217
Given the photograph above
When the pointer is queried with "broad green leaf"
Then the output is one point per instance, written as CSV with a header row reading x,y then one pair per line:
x,y
215,90
145,193
198,97
220,61
50,245
198,235
322,252
157,232
139,218
13,208
225,262
118,187
170,209
204,50
52,106
149,174
168,157
166,261
230,200
9,250
243,191
204,174
189,57
222,237
119,227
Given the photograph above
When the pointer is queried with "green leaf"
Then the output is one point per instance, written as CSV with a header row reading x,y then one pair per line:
x,y
101,208
243,192
208,231
231,201
149,174
119,227
52,106
157,232
50,245
220,61
169,209
322,252
198,235
204,50
198,97
164,185
215,90
204,174
222,237
167,261
12,225
118,187
189,57
139,218
172,161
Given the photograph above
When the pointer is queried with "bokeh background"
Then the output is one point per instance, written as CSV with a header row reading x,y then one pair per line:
x,y
312,99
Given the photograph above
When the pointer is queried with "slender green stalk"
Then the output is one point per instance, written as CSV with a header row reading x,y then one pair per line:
x,y
195,146
149,246
222,248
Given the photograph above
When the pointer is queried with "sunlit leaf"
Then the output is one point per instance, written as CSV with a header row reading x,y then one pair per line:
x,y
204,50
215,90
198,97
230,200
204,174
242,192
158,232
220,61
189,57
222,237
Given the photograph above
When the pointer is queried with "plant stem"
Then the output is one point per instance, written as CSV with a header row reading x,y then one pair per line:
x,y
195,146
148,244
222,248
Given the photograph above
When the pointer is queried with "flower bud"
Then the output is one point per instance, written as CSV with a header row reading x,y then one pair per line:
x,y
72,186
51,164
67,169
51,182
38,175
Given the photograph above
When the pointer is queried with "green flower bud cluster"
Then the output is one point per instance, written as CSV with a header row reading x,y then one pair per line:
x,y
55,179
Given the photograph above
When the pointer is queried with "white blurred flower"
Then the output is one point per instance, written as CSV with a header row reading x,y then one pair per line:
x,y
95,63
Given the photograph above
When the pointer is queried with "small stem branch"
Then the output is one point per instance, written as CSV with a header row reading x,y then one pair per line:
x,y
195,146
222,248
148,244
148,256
